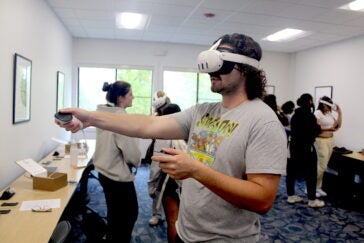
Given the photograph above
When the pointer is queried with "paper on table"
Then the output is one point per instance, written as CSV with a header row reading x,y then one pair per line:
x,y
48,203
32,167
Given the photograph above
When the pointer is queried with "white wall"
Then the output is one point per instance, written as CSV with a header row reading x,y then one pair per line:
x,y
31,29
280,70
339,65
114,53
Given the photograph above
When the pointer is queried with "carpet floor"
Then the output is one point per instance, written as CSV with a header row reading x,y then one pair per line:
x,y
283,223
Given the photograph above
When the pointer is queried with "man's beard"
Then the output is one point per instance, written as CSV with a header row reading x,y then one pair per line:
x,y
216,89
224,89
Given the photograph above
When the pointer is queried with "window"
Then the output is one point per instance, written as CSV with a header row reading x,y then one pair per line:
x,y
141,83
91,80
188,88
90,84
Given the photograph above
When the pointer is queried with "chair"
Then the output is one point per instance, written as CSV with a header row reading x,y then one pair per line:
x,y
61,232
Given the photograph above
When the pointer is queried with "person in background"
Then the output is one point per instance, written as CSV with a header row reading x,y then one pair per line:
x,y
169,189
329,116
160,100
304,129
271,101
115,156
236,149
287,110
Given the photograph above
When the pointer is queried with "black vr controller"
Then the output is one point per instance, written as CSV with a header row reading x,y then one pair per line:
x,y
63,117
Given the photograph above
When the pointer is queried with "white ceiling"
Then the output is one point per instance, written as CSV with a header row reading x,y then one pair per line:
x,y
183,21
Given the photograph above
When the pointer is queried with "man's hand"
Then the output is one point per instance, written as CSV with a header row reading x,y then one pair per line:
x,y
80,119
177,164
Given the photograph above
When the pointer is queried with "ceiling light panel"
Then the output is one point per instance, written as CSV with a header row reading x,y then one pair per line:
x,y
287,34
128,20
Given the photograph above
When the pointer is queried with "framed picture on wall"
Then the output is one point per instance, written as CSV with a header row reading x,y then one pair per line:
x,y
60,91
270,89
321,91
22,88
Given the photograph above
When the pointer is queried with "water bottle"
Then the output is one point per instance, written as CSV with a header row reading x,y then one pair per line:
x,y
74,154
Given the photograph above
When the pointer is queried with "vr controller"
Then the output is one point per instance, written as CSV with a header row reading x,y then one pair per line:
x,y
63,118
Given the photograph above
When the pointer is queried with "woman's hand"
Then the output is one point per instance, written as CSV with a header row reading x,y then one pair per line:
x,y
338,109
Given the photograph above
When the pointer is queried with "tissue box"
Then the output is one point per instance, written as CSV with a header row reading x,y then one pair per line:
x,y
52,182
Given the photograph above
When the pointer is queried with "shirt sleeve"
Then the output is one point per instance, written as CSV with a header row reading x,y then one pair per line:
x,y
184,119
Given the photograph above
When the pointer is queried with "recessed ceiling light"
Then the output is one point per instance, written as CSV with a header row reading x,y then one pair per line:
x,y
129,20
357,5
286,35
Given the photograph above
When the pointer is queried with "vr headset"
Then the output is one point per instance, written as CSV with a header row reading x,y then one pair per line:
x,y
333,106
159,101
215,61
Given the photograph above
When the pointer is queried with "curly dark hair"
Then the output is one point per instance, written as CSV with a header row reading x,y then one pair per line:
x,y
247,46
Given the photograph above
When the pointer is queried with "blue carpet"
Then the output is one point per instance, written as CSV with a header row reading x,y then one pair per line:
x,y
300,223
283,223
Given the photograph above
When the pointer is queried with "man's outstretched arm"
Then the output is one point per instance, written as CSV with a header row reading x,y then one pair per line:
x,y
133,125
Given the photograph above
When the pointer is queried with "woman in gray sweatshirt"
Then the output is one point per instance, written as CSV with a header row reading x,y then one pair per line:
x,y
114,158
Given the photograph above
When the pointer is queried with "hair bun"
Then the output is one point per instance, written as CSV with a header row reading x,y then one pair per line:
x,y
106,86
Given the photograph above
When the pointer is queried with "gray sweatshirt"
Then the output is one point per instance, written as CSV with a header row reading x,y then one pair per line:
x,y
115,154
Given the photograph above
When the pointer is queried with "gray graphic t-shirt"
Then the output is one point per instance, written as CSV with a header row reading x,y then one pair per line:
x,y
246,139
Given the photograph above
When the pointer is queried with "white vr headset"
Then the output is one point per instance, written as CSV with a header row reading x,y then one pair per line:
x,y
159,101
333,106
326,103
212,60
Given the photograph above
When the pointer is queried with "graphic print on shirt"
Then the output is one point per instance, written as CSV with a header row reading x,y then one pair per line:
x,y
209,133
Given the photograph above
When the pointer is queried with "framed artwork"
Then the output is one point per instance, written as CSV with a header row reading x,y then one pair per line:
x,y
22,88
321,91
270,89
60,91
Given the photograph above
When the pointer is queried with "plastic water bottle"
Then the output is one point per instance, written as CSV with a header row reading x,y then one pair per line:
x,y
74,154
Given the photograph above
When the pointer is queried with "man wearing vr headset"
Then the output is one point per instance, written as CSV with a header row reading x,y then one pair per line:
x,y
236,148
